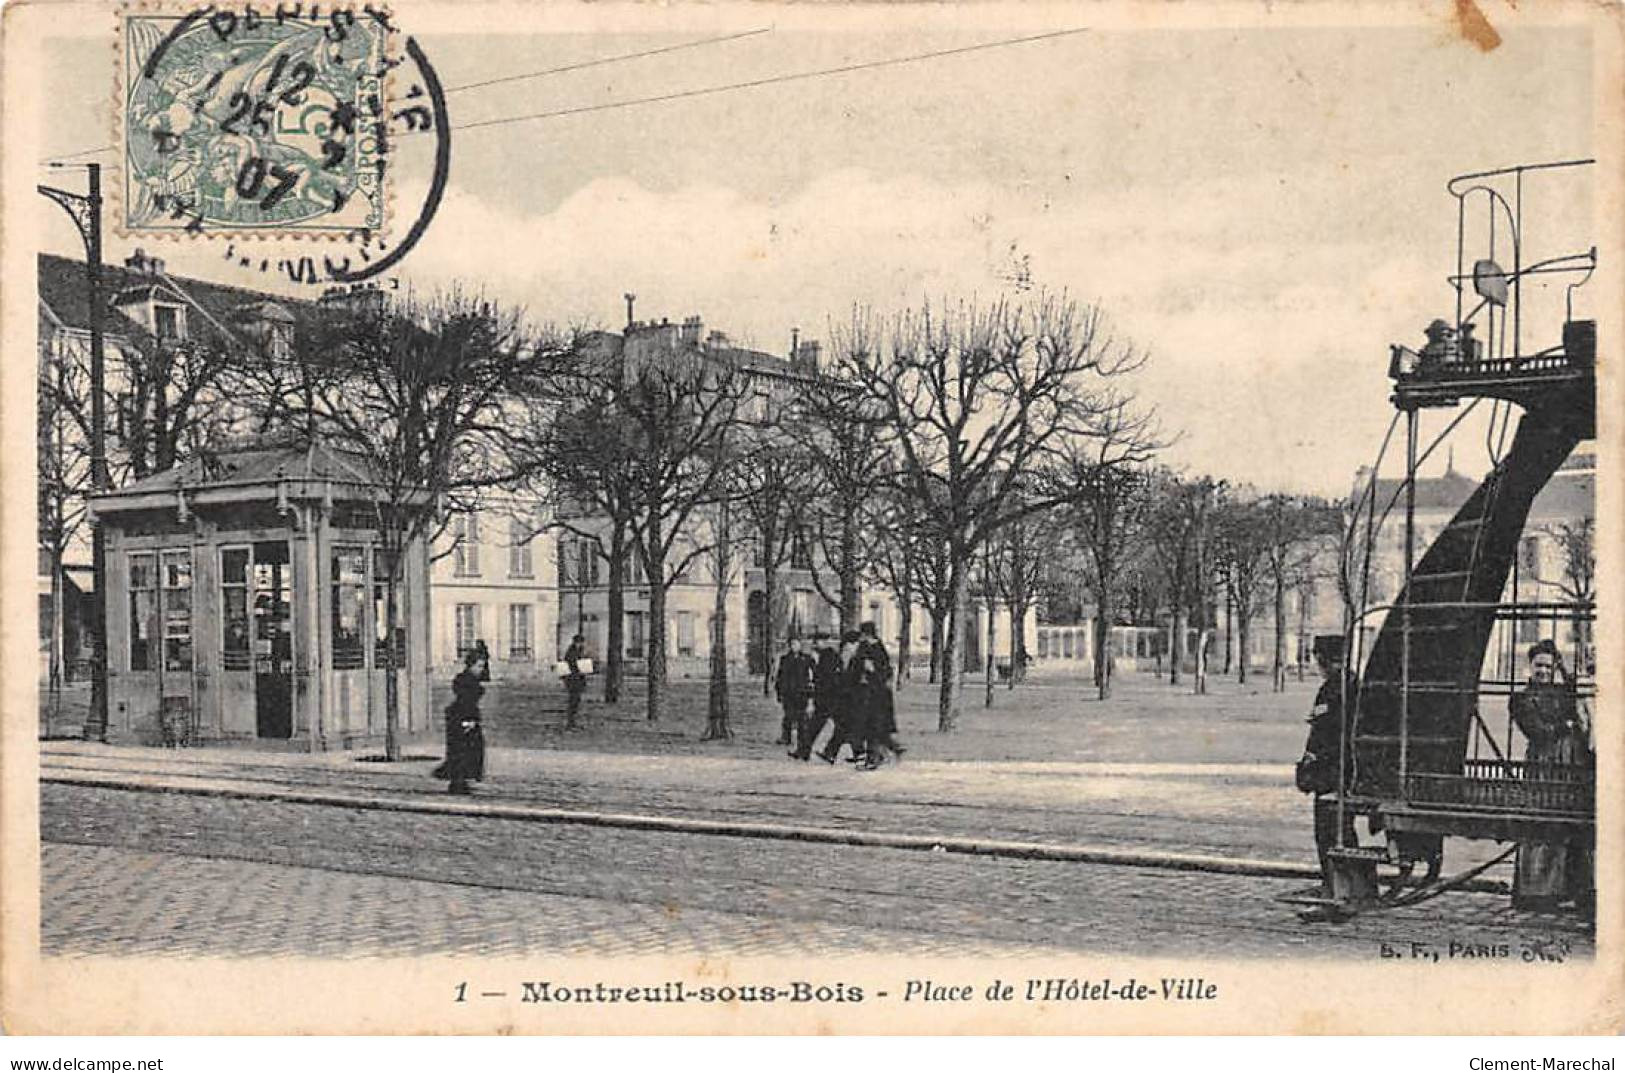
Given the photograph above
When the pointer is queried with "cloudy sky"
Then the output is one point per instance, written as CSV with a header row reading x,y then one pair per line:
x,y
1262,209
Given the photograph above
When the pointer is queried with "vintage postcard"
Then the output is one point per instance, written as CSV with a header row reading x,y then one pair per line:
x,y
556,518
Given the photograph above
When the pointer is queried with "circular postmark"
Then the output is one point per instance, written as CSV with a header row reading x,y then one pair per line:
x,y
255,124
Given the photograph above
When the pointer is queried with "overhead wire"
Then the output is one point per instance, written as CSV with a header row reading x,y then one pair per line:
x,y
772,80
702,91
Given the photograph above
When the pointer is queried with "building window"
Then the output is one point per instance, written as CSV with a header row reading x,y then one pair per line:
x,y
176,583
234,604
520,561
566,564
466,545
877,615
685,633
519,632
349,599
634,634
143,608
587,563
800,552
468,624
803,615
1531,555
169,323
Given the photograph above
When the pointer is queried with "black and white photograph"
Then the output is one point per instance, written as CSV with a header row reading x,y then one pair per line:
x,y
811,518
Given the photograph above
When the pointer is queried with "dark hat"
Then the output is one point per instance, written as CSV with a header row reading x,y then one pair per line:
x,y
851,635
1544,646
868,628
1329,646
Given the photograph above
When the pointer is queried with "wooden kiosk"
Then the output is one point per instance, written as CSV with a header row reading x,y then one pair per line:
x,y
246,601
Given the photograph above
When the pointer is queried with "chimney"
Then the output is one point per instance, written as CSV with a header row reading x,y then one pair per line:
x,y
795,344
693,329
806,356
630,299
137,261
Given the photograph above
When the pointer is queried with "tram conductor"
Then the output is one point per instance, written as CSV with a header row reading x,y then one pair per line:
x,y
1320,769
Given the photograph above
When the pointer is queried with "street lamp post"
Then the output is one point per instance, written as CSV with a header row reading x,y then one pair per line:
x,y
86,211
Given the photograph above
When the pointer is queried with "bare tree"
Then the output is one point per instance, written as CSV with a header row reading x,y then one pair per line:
x,y
972,398
1577,552
62,390
841,431
1110,509
583,454
1292,530
1243,532
176,399
679,412
1020,554
773,480
899,566
1181,536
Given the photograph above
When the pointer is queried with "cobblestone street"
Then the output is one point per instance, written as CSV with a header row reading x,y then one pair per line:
x,y
136,872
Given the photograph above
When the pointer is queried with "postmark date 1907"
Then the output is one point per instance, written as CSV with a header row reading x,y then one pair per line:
x,y
242,120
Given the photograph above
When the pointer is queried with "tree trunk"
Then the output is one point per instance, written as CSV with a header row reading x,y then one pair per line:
x,y
770,596
1229,626
1200,673
1244,649
656,569
1018,641
905,631
716,712
952,657
1104,657
990,660
58,628
850,611
1176,646
937,631
1278,664
615,636
392,681
1304,601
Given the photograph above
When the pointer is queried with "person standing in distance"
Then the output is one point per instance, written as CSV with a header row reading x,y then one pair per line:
x,y
575,681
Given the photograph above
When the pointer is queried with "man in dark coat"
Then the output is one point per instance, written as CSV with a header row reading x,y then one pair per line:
x,y
793,684
874,699
575,681
1323,755
829,703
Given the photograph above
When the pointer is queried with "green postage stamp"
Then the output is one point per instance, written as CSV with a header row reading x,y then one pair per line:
x,y
244,121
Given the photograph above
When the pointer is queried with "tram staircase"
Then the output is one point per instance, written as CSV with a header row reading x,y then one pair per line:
x,y
1451,594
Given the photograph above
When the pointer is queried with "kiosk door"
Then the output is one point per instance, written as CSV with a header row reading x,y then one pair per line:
x,y
272,633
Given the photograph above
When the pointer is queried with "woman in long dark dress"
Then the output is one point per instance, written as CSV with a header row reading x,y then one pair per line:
x,y
1548,713
465,738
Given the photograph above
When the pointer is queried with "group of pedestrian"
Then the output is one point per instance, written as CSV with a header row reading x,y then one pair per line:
x,y
847,684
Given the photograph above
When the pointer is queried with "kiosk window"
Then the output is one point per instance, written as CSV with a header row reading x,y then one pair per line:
x,y
235,625
177,610
349,599
143,608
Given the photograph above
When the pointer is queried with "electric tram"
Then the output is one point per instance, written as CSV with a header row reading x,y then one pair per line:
x,y
1433,751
